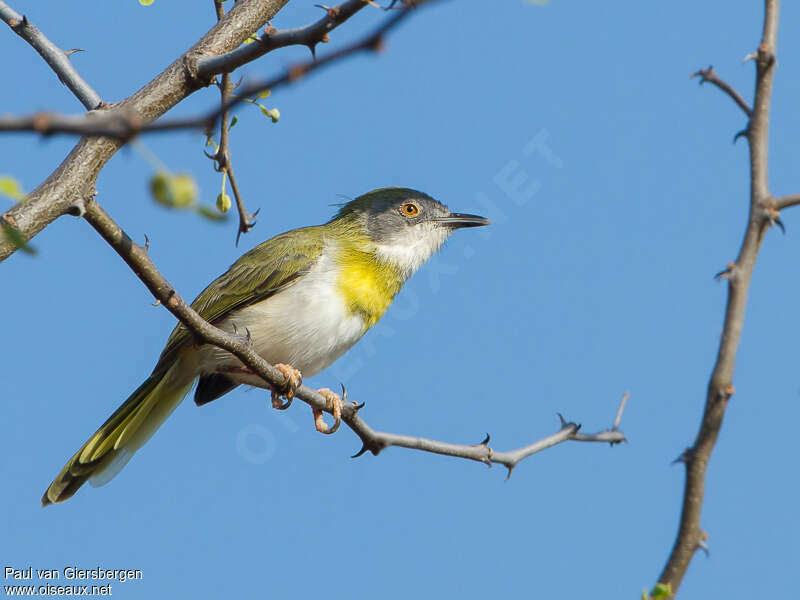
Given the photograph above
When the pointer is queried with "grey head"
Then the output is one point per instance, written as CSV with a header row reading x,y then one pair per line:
x,y
407,226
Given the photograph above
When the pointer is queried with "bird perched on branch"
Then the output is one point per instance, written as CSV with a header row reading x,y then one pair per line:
x,y
303,298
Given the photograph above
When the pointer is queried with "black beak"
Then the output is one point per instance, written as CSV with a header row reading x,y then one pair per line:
x,y
457,220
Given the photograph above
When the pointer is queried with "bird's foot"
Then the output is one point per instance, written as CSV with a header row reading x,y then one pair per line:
x,y
334,402
293,380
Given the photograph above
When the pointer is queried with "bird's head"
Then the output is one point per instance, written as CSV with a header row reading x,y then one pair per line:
x,y
404,226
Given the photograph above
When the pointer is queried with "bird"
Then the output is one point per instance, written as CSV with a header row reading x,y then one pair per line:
x,y
303,298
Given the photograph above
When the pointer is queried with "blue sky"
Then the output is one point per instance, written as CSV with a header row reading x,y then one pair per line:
x,y
595,281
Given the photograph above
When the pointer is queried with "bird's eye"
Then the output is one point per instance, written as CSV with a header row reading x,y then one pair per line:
x,y
409,209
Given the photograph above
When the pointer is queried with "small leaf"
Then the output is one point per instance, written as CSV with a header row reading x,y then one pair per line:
x,y
10,187
223,202
251,39
146,2
661,590
13,235
264,94
272,113
234,121
210,213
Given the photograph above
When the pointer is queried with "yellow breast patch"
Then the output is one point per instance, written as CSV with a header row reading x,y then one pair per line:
x,y
367,285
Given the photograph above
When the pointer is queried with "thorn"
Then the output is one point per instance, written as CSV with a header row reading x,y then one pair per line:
x,y
344,393
72,51
508,475
248,335
702,543
313,47
25,20
485,441
684,457
777,221
358,407
563,421
742,133
146,243
361,452
726,273
157,302
751,56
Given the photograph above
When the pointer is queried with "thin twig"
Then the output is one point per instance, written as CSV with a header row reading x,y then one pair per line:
x,y
787,201
708,75
57,58
240,346
123,125
222,157
690,536
310,35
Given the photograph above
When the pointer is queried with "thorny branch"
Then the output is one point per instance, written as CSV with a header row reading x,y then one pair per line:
x,y
122,125
710,76
57,58
222,157
374,441
763,213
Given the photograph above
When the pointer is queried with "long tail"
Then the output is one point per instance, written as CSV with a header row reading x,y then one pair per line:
x,y
112,446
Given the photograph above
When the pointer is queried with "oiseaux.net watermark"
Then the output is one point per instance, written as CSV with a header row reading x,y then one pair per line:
x,y
65,581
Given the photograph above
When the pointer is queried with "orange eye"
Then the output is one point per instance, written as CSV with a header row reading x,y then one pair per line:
x,y
409,209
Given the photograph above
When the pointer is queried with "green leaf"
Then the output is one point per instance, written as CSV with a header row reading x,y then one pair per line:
x,y
264,94
223,202
146,2
11,187
234,121
272,113
661,590
251,39
13,235
210,213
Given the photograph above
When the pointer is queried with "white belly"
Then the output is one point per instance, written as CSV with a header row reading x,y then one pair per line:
x,y
306,326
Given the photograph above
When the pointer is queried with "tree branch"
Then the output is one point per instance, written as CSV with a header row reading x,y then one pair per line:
x,y
690,537
708,75
240,346
123,125
75,178
787,201
222,157
310,35
57,58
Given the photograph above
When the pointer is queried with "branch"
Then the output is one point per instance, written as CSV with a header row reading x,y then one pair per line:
x,y
787,201
708,75
75,178
240,346
122,126
690,536
310,35
57,58
222,157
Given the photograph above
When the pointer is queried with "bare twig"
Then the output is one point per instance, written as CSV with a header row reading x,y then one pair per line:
x,y
222,157
690,536
708,75
310,35
57,58
240,346
122,126
787,201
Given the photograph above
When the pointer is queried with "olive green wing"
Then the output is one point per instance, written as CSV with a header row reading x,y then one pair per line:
x,y
263,271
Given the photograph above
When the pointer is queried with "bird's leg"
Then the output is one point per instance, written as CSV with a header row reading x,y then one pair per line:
x,y
334,406
293,380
